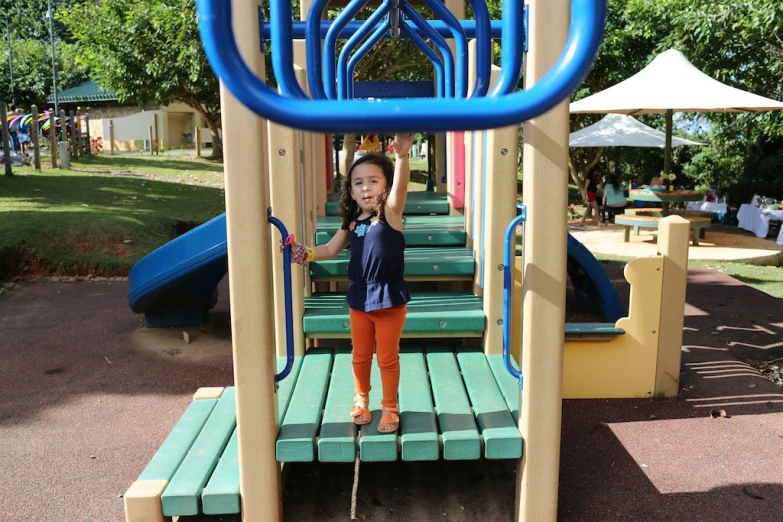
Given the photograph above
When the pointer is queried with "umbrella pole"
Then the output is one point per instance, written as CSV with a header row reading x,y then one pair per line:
x,y
667,154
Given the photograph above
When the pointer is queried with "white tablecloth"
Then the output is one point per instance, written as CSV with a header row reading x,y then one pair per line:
x,y
707,206
757,220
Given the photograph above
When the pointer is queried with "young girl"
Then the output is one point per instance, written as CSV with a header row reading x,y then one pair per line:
x,y
374,195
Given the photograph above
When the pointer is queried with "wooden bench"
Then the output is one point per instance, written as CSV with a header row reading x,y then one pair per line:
x,y
638,221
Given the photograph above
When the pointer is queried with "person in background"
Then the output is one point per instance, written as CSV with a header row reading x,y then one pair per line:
x,y
591,189
614,197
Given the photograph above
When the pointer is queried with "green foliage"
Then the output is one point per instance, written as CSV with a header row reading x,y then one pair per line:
x,y
33,72
146,51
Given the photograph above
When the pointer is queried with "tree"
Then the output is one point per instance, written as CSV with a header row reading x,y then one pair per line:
x,y
147,51
32,63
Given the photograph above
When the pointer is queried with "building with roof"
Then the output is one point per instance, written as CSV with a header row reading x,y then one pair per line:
x,y
175,123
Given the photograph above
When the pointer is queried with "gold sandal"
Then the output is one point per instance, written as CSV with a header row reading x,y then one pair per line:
x,y
390,416
360,410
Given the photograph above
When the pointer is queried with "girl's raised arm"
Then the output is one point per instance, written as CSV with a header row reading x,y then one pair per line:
x,y
402,174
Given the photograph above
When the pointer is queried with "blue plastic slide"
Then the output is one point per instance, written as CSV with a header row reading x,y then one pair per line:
x,y
176,284
591,283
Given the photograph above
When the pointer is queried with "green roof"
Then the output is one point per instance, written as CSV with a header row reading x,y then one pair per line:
x,y
85,92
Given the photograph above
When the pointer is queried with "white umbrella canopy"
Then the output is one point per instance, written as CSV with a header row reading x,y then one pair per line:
x,y
619,130
671,83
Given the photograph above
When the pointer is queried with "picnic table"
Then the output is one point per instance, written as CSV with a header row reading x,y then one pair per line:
x,y
666,198
637,221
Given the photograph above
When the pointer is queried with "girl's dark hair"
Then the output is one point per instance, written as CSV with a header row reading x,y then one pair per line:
x,y
614,182
348,209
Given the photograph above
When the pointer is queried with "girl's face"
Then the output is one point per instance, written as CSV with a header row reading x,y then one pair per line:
x,y
367,184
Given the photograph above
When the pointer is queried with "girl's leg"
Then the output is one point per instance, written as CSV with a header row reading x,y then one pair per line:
x,y
388,325
363,340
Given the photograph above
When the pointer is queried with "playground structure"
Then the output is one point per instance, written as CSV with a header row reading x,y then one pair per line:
x,y
225,453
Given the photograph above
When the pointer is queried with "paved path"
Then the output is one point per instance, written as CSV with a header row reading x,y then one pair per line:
x,y
87,397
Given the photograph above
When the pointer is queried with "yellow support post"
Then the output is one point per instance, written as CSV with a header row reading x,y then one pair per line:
x,y
543,304
673,239
478,198
501,181
286,201
250,273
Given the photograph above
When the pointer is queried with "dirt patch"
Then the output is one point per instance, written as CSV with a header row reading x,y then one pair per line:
x,y
183,344
119,248
183,227
22,265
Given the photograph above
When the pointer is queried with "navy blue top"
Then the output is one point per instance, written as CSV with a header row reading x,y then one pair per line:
x,y
377,266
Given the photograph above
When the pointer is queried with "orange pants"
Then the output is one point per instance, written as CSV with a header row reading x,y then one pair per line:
x,y
378,331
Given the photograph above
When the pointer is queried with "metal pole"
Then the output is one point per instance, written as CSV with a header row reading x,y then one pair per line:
x,y
50,16
10,59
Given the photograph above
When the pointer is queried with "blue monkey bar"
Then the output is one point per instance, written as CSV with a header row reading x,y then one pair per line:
x,y
423,114
320,27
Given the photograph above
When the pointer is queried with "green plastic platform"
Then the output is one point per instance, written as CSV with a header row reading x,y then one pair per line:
x,y
430,314
451,407
418,203
420,263
419,231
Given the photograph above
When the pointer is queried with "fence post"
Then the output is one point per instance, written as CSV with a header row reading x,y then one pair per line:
x,y
53,137
111,137
79,137
72,136
87,130
157,143
152,142
34,134
6,143
198,142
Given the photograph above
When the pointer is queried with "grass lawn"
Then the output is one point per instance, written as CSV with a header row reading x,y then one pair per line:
x,y
179,169
69,223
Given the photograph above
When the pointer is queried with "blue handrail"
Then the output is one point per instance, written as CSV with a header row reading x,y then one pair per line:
x,y
361,53
508,269
445,52
330,44
425,114
513,29
375,21
314,31
283,60
460,47
289,314
484,34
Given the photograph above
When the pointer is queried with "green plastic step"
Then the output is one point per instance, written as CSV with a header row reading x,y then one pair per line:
x,y
508,385
418,230
221,494
296,442
178,442
183,493
419,431
453,314
502,439
374,446
456,422
418,203
337,439
433,263
591,331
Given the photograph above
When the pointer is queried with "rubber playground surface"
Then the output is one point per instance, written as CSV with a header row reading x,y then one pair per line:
x,y
88,396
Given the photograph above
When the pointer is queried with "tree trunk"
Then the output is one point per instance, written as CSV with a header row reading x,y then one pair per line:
x,y
210,118
349,149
